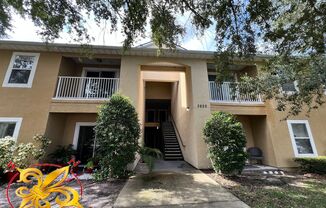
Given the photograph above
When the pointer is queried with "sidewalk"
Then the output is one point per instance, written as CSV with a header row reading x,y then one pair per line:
x,y
169,186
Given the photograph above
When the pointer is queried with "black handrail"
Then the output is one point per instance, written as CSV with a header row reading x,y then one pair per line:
x,y
178,134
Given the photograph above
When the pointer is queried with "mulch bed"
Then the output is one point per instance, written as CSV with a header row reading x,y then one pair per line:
x,y
289,190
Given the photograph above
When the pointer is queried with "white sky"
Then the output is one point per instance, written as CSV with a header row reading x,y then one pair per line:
x,y
24,30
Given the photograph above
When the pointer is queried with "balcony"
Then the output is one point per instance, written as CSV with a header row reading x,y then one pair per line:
x,y
228,92
85,88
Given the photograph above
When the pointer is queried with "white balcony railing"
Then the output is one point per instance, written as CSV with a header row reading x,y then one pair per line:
x,y
86,88
228,92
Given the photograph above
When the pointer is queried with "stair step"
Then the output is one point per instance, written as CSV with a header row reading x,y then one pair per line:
x,y
172,149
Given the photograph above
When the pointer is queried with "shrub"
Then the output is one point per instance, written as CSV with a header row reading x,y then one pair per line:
x,y
149,155
312,164
22,154
226,142
117,132
62,155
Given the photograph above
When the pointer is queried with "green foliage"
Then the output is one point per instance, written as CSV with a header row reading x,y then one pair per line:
x,y
148,155
226,142
312,164
308,74
117,132
62,155
240,29
22,154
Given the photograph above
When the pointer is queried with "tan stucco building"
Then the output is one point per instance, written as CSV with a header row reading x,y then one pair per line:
x,y
56,89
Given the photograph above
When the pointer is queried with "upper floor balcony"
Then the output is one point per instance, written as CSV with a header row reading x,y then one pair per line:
x,y
82,79
229,92
86,88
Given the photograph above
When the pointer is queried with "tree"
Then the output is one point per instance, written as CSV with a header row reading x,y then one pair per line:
x,y
286,28
117,132
226,142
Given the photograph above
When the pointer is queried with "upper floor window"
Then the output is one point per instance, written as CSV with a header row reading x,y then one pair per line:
x,y
21,70
302,140
9,127
290,87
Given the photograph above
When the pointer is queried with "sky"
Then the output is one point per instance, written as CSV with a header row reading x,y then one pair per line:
x,y
24,30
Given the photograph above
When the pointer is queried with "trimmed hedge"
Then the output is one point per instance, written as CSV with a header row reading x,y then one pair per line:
x,y
312,164
117,132
226,142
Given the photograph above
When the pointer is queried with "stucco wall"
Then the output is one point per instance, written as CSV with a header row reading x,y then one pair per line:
x,y
32,104
247,126
132,85
158,90
61,127
281,139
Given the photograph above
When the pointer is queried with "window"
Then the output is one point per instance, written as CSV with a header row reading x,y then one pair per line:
x,y
302,140
211,77
10,127
290,87
21,70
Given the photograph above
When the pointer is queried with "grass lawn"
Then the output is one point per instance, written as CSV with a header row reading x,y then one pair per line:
x,y
290,190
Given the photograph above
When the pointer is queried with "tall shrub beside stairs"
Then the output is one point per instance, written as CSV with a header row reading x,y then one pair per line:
x,y
226,142
117,132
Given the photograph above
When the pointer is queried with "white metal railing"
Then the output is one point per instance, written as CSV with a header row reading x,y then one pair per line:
x,y
229,92
86,88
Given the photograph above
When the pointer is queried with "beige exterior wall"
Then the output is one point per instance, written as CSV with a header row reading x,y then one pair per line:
x,y
61,127
188,88
31,104
132,85
158,90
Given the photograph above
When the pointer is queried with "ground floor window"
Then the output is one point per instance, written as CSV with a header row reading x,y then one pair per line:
x,y
9,127
84,141
302,140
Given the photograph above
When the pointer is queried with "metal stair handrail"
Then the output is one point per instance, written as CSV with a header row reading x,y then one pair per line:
x,y
177,131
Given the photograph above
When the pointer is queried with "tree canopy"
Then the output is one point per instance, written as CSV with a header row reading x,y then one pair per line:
x,y
293,31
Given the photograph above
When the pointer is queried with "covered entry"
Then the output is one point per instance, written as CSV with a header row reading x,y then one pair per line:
x,y
159,131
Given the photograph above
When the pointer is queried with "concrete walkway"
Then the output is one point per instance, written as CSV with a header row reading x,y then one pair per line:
x,y
175,184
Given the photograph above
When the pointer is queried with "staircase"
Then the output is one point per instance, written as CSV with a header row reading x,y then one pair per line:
x,y
172,149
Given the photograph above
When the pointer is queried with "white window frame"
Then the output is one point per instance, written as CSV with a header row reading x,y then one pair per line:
x,y
311,139
18,122
295,83
10,68
97,69
77,129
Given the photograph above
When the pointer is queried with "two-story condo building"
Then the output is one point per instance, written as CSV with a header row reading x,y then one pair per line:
x,y
55,90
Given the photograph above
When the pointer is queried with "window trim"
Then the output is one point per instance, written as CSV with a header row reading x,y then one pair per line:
x,y
98,69
10,68
295,83
18,122
77,130
311,139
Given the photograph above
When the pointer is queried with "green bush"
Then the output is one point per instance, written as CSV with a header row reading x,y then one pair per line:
x,y
22,154
117,132
312,164
63,154
149,155
226,142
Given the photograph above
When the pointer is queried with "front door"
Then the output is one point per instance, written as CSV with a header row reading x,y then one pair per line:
x,y
86,143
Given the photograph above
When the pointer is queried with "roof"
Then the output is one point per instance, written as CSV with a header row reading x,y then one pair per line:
x,y
107,50
151,44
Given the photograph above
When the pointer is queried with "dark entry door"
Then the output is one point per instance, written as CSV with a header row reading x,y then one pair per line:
x,y
86,142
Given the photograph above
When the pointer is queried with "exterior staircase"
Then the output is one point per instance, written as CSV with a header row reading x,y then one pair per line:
x,y
172,149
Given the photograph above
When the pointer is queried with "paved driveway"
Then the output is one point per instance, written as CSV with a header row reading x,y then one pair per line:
x,y
175,184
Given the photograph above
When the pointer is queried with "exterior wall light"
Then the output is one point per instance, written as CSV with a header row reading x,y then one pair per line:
x,y
188,109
